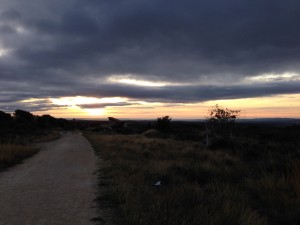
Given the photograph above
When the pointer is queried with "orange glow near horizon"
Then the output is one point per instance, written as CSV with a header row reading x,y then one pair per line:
x,y
280,106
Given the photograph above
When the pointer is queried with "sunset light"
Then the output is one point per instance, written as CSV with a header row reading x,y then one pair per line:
x,y
276,77
80,100
133,60
278,106
136,82
95,112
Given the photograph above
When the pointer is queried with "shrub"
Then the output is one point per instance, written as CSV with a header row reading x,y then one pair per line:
x,y
152,133
163,123
220,122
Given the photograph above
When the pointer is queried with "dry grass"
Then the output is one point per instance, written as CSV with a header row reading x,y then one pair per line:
x,y
13,153
199,186
295,175
50,136
15,150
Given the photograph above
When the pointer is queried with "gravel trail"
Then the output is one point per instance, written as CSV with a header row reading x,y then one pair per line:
x,y
55,187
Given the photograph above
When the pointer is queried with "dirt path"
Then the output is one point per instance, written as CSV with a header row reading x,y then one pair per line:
x,y
55,187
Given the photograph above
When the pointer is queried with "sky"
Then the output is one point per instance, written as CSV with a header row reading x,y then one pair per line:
x,y
143,59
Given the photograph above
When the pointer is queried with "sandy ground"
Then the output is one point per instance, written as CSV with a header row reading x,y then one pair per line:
x,y
55,187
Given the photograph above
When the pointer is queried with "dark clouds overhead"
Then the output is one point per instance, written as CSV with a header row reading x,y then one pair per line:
x,y
66,48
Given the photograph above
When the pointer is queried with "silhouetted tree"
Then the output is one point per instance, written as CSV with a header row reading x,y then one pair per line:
x,y
220,122
5,117
24,123
22,116
163,123
6,126
63,123
46,121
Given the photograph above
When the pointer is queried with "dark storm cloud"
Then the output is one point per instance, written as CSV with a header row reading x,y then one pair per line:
x,y
195,93
39,105
57,48
8,20
10,15
28,107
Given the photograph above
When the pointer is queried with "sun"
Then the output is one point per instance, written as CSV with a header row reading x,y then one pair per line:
x,y
78,104
95,112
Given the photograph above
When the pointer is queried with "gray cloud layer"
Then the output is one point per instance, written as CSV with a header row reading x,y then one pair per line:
x,y
65,48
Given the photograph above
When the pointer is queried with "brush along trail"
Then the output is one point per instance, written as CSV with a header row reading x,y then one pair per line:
x,y
55,187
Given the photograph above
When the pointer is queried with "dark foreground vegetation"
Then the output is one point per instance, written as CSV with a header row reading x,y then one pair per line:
x,y
173,178
164,172
18,131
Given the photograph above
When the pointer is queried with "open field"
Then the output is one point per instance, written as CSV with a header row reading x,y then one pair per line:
x,y
255,179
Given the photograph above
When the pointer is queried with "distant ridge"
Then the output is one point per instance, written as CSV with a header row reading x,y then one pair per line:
x,y
280,121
